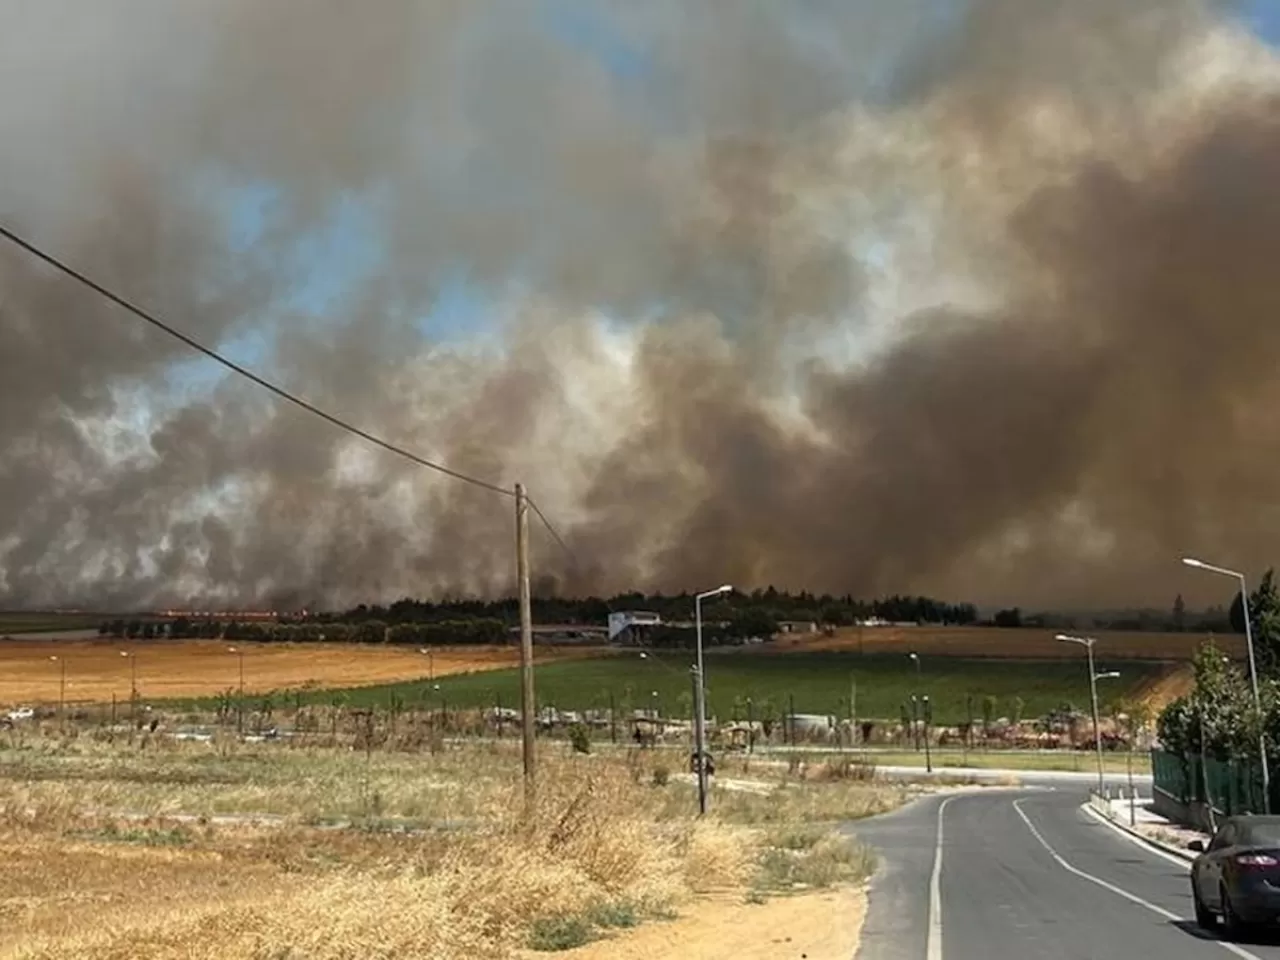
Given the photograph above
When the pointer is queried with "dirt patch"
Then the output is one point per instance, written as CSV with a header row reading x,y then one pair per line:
x,y
1176,682
95,669
1001,643
814,926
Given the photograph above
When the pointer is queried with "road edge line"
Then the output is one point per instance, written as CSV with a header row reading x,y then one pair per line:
x,y
1118,890
933,943
1182,858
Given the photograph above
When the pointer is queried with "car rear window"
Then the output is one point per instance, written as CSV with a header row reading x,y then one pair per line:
x,y
1260,834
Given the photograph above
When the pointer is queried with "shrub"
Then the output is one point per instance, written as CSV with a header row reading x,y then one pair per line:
x,y
560,932
580,738
846,768
615,913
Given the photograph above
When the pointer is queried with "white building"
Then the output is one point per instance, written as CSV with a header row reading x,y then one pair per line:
x,y
626,625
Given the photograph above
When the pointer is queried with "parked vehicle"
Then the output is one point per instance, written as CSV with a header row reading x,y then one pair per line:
x,y
1236,879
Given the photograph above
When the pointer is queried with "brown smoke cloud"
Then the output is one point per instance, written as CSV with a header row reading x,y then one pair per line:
x,y
995,321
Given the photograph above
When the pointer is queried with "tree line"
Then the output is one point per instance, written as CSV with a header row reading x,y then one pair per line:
x,y
774,604
477,630
730,618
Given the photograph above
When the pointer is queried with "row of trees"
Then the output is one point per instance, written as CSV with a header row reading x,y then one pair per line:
x,y
742,614
827,609
731,620
481,630
726,627
773,604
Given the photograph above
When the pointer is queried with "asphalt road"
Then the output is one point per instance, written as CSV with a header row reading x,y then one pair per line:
x,y
1027,874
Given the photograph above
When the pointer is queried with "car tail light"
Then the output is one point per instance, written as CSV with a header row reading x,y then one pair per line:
x,y
1257,860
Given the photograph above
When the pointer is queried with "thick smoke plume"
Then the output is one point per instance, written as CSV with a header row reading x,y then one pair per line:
x,y
848,296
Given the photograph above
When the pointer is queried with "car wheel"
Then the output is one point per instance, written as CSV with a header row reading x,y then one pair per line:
x,y
1205,917
1232,925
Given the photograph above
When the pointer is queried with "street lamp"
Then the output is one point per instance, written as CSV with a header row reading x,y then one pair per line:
x,y
1253,669
240,707
1094,677
700,691
926,716
431,662
915,733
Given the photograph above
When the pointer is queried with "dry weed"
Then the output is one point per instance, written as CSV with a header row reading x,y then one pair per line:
x,y
596,847
718,856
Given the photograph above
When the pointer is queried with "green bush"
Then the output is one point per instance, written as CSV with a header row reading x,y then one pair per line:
x,y
618,914
559,932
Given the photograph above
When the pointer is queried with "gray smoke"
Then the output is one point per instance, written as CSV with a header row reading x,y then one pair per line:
x,y
842,296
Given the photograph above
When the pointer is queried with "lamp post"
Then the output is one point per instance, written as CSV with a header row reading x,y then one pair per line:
x,y
1253,669
240,706
927,717
1094,677
700,691
431,662
928,761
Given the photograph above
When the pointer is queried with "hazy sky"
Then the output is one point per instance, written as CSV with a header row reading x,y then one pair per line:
x,y
838,294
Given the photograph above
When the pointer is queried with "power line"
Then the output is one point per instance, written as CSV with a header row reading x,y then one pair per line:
x,y
247,373
646,652
555,534
560,541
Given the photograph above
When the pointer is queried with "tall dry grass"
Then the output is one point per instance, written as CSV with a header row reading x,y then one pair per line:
x,y
598,844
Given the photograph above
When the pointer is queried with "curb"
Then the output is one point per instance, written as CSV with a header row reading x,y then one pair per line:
x,y
1162,847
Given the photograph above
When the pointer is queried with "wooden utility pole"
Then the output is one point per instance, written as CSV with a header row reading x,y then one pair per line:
x,y
527,702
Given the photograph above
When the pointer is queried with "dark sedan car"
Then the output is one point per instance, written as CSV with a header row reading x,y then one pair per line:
x,y
1237,877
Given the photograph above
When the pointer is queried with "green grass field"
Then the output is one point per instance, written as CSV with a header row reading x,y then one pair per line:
x,y
11,623
818,682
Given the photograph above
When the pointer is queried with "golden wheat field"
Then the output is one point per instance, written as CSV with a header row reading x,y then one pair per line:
x,y
96,670
1009,644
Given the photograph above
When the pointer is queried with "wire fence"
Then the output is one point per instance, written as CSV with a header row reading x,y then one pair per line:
x,y
1229,786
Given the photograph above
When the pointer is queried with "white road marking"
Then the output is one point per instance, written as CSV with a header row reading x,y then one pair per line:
x,y
1118,891
1137,841
933,949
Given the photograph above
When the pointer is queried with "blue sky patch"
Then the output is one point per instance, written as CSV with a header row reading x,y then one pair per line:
x,y
1263,18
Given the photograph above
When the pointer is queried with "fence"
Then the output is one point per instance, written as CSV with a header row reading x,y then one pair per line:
x,y
1228,786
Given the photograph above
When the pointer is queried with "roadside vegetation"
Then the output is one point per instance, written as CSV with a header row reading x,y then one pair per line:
x,y
1210,737
233,850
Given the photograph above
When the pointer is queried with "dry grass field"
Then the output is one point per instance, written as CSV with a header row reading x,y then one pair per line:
x,y
96,670
996,643
116,849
